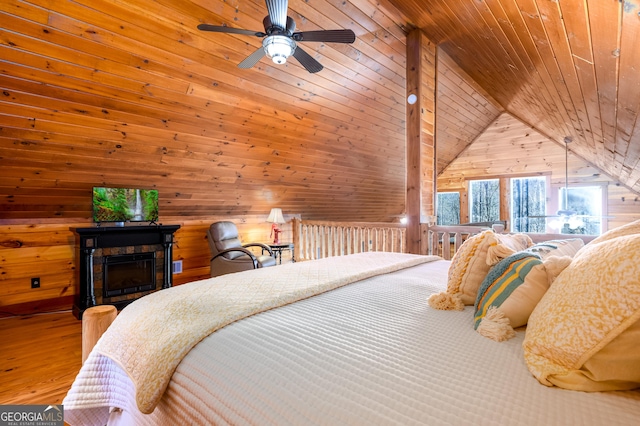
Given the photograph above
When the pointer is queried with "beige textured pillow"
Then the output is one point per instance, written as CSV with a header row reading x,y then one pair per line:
x,y
585,332
470,266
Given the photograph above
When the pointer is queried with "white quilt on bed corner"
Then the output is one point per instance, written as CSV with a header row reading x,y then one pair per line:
x,y
151,336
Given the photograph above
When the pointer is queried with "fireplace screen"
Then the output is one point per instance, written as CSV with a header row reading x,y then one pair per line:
x,y
129,273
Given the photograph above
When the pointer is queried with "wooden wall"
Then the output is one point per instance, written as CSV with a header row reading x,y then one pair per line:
x,y
476,138
124,93
130,94
510,148
48,251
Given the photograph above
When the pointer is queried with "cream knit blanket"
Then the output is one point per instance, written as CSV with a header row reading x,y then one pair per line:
x,y
150,337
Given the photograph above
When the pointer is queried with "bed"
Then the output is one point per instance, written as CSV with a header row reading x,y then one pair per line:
x,y
353,342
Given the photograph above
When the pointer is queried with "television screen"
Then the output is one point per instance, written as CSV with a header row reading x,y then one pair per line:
x,y
125,204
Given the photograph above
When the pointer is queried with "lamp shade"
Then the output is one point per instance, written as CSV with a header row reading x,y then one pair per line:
x,y
278,48
275,216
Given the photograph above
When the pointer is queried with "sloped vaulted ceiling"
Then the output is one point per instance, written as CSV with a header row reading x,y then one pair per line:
x,y
126,92
565,67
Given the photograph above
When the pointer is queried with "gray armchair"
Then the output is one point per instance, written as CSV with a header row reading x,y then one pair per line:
x,y
230,255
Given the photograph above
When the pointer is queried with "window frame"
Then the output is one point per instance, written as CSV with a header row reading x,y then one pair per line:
x,y
553,204
547,189
470,196
460,207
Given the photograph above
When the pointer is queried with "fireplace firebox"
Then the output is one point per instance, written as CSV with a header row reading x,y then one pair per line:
x,y
128,273
117,265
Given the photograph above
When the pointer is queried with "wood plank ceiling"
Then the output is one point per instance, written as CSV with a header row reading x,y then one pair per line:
x,y
124,93
565,67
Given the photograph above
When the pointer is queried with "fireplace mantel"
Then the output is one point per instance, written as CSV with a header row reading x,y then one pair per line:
x,y
94,244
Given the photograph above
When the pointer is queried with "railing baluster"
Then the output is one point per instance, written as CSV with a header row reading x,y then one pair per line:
x,y
316,239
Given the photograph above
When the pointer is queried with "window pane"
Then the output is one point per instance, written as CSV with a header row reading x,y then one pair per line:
x,y
484,200
586,202
528,198
448,208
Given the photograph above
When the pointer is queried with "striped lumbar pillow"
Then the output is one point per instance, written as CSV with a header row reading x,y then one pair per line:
x,y
567,247
511,291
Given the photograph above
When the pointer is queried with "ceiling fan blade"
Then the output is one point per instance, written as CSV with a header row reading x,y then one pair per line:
x,y
307,60
278,12
223,29
252,59
330,36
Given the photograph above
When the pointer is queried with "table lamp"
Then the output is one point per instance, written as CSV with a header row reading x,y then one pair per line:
x,y
275,217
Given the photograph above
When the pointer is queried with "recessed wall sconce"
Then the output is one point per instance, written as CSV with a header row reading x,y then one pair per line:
x,y
412,99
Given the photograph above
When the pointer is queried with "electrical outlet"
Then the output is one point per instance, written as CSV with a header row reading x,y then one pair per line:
x,y
177,267
35,282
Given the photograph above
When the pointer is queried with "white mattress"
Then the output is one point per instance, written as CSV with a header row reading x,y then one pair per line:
x,y
372,352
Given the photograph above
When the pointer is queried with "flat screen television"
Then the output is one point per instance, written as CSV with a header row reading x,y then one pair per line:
x,y
125,205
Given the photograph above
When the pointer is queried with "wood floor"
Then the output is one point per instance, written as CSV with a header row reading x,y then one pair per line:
x,y
40,356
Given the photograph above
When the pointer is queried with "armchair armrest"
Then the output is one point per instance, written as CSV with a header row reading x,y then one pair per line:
x,y
262,246
243,250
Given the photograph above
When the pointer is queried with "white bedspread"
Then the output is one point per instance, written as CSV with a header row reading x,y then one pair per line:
x,y
149,338
371,352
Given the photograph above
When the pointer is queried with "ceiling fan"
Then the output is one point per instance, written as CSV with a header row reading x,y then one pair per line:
x,y
568,217
280,40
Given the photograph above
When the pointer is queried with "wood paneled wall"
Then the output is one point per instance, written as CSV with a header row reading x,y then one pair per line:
x,y
48,251
128,93
510,148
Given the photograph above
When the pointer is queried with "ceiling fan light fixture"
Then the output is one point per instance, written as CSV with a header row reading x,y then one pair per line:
x,y
280,40
278,48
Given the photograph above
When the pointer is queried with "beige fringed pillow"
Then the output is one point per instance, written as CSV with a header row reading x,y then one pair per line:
x,y
470,265
585,332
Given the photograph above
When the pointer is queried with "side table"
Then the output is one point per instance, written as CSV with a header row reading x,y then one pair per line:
x,y
279,248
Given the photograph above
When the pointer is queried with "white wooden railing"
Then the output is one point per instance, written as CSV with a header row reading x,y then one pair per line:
x,y
318,239
458,234
452,235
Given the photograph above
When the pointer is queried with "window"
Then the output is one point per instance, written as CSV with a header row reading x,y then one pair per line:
x,y
586,202
484,200
528,199
448,208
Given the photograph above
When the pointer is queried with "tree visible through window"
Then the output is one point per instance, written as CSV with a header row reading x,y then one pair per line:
x,y
528,198
484,200
448,208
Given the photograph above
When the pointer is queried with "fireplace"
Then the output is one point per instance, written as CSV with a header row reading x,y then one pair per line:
x,y
118,265
128,273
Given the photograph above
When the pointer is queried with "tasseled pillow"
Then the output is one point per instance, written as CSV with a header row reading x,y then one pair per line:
x,y
470,265
512,290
